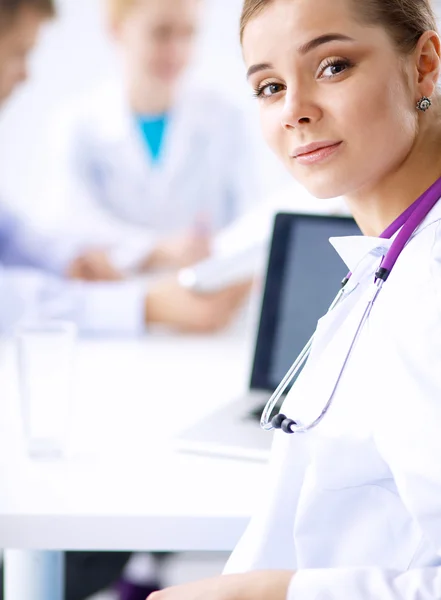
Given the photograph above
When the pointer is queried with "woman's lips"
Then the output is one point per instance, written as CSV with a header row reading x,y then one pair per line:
x,y
315,153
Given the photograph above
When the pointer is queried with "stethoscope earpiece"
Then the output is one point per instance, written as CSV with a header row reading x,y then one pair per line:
x,y
277,421
282,422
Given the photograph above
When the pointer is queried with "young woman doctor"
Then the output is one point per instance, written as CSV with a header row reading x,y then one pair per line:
x,y
351,509
152,166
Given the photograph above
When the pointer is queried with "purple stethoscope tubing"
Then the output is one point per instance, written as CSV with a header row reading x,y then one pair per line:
x,y
406,225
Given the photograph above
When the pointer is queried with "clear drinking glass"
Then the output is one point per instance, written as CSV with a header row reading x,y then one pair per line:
x,y
45,371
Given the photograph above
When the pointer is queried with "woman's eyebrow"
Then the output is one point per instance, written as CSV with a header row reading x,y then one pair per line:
x,y
258,67
304,49
323,39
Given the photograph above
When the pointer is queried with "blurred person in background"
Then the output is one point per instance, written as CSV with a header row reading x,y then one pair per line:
x,y
34,267
154,164
32,283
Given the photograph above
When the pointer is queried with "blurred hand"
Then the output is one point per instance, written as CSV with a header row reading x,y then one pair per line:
x,y
170,304
93,266
257,585
179,251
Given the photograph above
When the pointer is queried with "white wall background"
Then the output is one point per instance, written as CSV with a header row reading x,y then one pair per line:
x,y
73,54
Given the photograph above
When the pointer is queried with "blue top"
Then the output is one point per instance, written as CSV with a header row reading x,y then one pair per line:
x,y
152,129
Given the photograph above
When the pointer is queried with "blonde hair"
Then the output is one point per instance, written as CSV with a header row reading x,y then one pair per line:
x,y
118,9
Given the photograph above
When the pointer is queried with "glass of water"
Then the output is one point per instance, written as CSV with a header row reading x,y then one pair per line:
x,y
46,377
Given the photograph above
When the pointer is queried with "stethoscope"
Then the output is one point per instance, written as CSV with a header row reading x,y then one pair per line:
x,y
408,222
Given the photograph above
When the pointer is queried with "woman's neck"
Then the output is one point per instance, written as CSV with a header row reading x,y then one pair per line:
x,y
145,99
376,208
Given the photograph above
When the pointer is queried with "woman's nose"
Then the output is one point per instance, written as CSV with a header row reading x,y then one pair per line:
x,y
299,110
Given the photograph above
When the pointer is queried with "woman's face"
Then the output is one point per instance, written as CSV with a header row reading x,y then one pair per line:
x,y
157,38
335,103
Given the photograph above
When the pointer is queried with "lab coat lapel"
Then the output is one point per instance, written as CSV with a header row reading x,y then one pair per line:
x,y
362,256
185,142
307,400
137,153
333,337
126,148
177,140
147,172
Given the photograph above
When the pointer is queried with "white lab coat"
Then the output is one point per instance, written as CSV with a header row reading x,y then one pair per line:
x,y
355,505
116,195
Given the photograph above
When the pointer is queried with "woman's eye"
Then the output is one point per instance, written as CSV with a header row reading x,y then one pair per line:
x,y
334,68
268,90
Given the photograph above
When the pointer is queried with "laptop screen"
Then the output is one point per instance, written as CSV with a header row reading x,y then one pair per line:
x,y
303,277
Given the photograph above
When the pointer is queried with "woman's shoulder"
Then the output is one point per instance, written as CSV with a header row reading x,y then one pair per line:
x,y
92,110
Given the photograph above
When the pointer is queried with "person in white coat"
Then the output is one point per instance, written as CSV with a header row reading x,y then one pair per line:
x,y
154,164
350,507
34,267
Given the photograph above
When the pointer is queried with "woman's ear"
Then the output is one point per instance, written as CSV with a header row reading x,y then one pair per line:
x,y
427,54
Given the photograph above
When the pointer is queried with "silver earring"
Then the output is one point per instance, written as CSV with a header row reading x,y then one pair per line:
x,y
424,103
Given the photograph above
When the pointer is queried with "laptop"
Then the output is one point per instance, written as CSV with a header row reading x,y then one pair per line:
x,y
302,278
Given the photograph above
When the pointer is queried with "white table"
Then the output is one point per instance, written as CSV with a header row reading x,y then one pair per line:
x,y
124,487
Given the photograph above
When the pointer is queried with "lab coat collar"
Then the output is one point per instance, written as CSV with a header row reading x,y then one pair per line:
x,y
119,116
122,132
353,249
